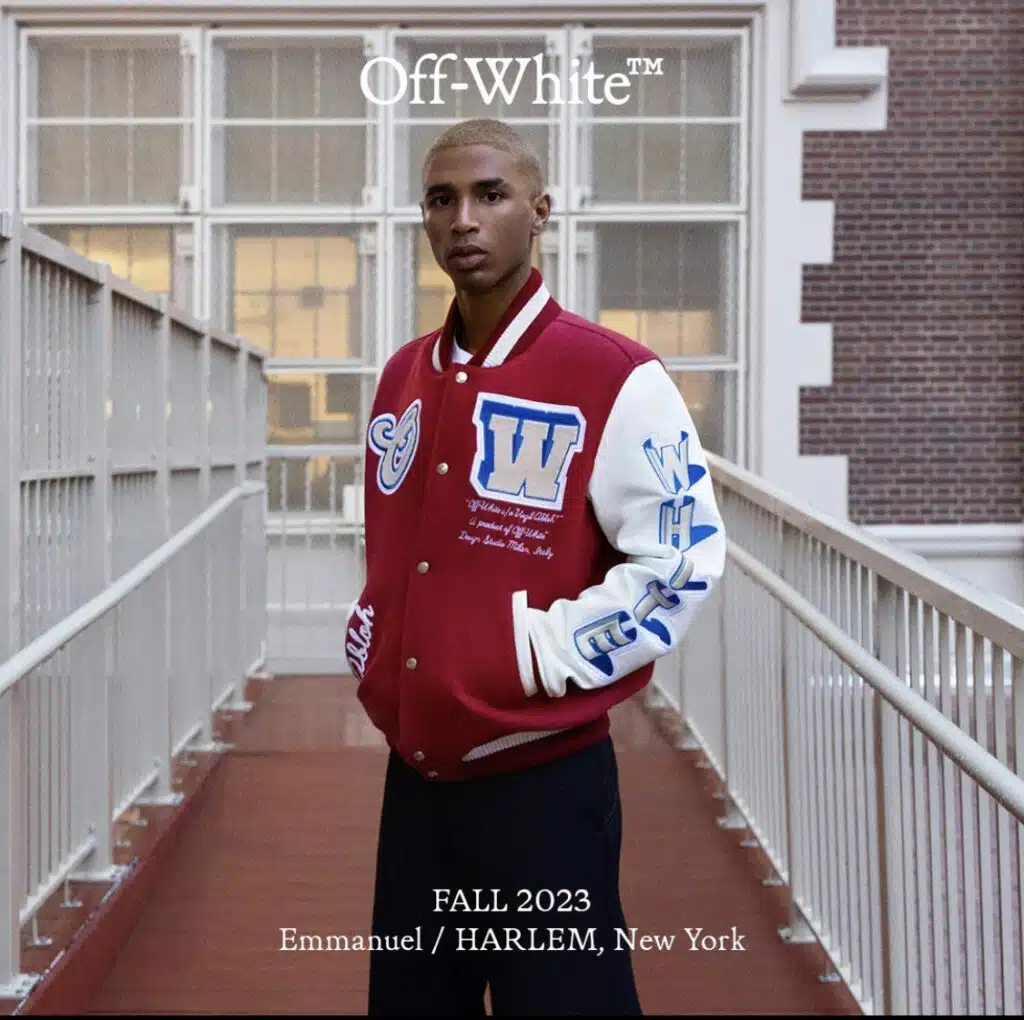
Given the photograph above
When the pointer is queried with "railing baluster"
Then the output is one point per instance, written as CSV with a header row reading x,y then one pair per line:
x,y
935,876
947,672
889,814
1017,704
919,858
88,564
1005,843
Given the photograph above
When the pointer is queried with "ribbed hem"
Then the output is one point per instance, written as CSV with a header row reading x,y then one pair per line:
x,y
535,753
507,742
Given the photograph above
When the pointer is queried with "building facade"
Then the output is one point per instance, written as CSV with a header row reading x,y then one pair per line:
x,y
257,162
925,291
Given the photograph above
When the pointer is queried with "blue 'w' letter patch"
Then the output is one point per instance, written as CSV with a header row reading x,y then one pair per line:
x,y
524,449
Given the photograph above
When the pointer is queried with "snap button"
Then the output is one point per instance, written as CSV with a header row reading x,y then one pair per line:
x,y
442,469
411,663
461,377
419,756
423,567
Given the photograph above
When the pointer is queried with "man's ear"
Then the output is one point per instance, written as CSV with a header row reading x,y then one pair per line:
x,y
541,213
423,213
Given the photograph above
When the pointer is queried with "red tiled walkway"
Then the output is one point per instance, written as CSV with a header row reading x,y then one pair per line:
x,y
285,837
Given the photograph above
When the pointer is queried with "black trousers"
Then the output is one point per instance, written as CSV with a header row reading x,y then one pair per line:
x,y
510,881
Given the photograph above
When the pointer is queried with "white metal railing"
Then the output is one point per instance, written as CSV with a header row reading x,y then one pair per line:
x,y
864,713
127,431
315,556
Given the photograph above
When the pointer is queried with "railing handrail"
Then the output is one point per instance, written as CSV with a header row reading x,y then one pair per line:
x,y
45,247
50,642
996,619
1002,783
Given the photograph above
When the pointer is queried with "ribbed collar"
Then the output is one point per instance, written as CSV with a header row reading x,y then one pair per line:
x,y
524,319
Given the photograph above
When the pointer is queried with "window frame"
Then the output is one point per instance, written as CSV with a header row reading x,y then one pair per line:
x,y
555,42
190,49
736,361
572,212
376,154
579,201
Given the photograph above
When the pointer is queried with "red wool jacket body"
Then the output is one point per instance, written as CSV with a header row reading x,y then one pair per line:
x,y
540,528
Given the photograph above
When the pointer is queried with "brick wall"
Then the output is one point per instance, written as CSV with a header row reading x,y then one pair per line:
x,y
926,294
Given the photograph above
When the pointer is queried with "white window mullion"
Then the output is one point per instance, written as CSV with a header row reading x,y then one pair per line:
x,y
683,101
275,83
742,73
377,194
317,56
368,255
191,196
739,302
395,293
397,140
579,137
87,133
28,98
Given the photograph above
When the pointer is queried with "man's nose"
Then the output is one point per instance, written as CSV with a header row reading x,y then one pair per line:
x,y
465,216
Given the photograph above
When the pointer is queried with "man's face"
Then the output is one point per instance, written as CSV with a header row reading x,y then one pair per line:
x,y
481,215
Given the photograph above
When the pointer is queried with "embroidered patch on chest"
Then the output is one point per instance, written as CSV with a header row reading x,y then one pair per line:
x,y
524,449
395,443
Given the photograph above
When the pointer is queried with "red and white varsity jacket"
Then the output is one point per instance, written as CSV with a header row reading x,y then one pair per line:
x,y
540,528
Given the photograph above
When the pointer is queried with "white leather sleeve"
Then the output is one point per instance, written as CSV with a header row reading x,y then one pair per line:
x,y
653,497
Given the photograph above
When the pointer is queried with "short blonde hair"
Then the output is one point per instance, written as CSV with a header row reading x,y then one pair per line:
x,y
498,135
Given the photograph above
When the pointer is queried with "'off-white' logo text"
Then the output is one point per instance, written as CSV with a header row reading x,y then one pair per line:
x,y
600,88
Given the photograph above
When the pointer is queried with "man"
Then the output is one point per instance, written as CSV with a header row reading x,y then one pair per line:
x,y
540,528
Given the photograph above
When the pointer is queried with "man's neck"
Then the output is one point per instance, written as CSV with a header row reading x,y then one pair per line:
x,y
481,313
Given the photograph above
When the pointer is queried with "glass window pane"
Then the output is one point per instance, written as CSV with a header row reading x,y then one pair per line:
x,y
282,79
279,82
134,163
695,77
108,165
60,80
320,485
156,258
248,89
711,400
680,81
301,291
506,72
309,408
667,285
110,76
694,163
418,139
296,165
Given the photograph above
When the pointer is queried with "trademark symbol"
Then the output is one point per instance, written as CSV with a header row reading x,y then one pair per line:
x,y
644,65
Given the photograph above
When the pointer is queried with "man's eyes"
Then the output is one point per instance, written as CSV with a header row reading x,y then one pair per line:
x,y
438,200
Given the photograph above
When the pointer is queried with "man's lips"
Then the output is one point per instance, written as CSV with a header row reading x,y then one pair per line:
x,y
468,257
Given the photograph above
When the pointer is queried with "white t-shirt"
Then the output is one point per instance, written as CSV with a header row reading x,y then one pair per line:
x,y
460,356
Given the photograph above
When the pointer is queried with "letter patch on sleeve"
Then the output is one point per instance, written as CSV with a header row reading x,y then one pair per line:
x,y
395,444
524,450
671,463
599,640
